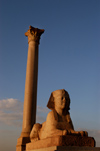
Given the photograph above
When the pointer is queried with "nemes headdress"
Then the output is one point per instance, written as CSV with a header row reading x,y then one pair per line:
x,y
51,104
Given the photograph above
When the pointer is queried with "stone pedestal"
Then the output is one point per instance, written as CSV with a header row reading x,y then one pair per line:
x,y
30,98
21,143
69,140
67,148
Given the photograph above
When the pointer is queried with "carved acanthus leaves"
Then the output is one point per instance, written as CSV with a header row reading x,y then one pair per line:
x,y
34,34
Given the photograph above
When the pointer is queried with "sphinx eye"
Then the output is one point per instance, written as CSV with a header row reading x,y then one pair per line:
x,y
62,98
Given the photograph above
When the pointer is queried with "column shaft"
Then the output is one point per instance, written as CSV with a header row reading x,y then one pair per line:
x,y
29,114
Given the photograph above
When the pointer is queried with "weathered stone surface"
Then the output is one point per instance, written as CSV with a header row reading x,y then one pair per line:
x,y
58,121
34,34
30,98
58,129
62,141
21,143
67,148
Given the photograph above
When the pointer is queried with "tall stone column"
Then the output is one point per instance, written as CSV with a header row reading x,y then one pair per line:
x,y
30,98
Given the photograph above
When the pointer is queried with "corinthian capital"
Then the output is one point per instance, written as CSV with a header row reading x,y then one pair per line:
x,y
34,34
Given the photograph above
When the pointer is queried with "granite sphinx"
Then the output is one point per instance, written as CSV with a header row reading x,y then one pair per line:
x,y
58,121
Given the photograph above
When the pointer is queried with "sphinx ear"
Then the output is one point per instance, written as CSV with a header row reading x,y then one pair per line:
x,y
50,104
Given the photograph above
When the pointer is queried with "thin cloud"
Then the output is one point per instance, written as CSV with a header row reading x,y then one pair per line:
x,y
11,105
11,112
41,114
40,119
42,109
93,133
96,134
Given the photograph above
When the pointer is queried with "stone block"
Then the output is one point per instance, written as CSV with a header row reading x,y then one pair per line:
x,y
61,141
67,148
21,143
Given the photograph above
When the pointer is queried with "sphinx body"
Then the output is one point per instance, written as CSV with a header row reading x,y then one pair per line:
x,y
58,121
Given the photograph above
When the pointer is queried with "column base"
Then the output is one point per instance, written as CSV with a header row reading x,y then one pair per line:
x,y
21,143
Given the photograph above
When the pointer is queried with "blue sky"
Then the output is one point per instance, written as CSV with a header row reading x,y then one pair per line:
x,y
69,58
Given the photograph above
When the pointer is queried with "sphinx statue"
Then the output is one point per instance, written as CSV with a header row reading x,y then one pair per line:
x,y
58,121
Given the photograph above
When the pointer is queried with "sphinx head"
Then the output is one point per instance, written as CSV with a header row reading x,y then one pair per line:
x,y
60,99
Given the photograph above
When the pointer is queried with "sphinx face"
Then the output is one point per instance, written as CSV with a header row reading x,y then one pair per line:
x,y
61,100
